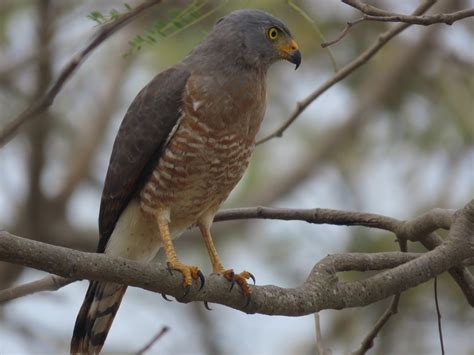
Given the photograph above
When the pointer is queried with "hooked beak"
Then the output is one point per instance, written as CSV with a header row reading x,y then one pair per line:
x,y
295,58
291,53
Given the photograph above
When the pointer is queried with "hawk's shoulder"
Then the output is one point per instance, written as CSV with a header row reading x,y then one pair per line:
x,y
139,144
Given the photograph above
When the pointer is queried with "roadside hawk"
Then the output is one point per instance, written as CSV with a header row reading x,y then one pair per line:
x,y
183,145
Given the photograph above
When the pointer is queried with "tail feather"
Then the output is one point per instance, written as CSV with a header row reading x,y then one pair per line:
x,y
95,317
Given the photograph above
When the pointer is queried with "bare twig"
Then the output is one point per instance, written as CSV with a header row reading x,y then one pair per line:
x,y
47,283
345,71
153,341
368,341
415,229
391,310
346,29
373,13
319,338
438,313
45,101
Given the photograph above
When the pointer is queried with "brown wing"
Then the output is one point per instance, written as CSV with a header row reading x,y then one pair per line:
x,y
139,144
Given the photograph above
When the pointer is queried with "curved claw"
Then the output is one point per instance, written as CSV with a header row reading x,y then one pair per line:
x,y
249,298
252,277
202,279
232,283
166,297
170,270
206,305
186,290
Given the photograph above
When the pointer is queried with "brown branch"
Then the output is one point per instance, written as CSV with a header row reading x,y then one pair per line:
x,y
438,314
321,290
45,101
419,229
345,71
373,13
368,341
346,29
47,283
392,309
152,342
319,338
414,229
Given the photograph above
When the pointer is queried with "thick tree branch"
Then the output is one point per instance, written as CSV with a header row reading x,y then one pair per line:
x,y
45,101
418,229
322,289
345,71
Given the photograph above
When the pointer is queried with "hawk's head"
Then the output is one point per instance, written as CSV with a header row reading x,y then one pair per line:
x,y
251,38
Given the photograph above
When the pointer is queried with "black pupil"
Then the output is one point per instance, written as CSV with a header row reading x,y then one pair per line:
x,y
273,33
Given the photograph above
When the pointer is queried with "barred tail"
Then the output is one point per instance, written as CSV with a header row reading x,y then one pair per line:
x,y
96,316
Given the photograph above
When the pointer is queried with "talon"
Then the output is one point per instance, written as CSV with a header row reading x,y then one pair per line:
x,y
249,298
232,283
186,290
166,297
190,273
252,277
206,305
169,269
202,279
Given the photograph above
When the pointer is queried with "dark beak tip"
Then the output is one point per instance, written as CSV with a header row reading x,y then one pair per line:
x,y
295,58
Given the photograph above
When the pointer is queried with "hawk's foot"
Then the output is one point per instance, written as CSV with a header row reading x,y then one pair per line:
x,y
241,280
190,273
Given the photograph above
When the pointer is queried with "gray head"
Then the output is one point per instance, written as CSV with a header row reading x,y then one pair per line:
x,y
250,39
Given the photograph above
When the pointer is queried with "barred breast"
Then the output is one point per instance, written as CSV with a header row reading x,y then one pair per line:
x,y
205,157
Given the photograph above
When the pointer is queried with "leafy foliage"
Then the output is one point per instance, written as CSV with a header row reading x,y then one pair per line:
x,y
179,20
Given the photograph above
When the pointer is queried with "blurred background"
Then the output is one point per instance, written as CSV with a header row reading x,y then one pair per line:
x,y
395,138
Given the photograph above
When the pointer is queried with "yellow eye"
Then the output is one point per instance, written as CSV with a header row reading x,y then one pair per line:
x,y
272,33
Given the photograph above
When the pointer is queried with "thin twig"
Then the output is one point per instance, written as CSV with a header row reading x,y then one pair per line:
x,y
368,341
345,71
46,101
346,29
48,283
153,340
391,310
318,31
438,312
414,229
373,13
319,338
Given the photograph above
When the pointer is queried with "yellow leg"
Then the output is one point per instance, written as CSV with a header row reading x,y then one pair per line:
x,y
240,279
189,272
211,249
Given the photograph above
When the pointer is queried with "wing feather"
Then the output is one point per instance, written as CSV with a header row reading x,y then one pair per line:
x,y
139,143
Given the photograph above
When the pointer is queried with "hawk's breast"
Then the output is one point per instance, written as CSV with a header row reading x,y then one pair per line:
x,y
207,154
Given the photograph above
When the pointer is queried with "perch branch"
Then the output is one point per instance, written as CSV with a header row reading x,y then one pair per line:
x,y
321,290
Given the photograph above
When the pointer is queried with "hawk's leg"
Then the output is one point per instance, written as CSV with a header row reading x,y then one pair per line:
x,y
190,273
240,279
